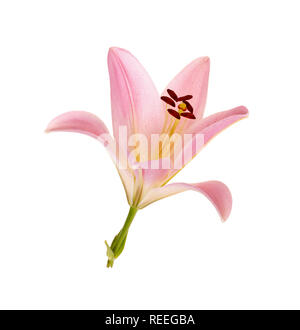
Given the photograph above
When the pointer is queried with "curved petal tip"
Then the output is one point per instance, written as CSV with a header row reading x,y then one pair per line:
x,y
243,110
217,192
78,121
204,59
220,196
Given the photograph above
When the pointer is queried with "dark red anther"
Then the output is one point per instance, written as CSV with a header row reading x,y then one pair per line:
x,y
188,115
168,100
174,113
184,98
172,94
181,107
189,106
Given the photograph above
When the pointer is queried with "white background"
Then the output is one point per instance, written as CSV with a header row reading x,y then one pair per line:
x,y
61,196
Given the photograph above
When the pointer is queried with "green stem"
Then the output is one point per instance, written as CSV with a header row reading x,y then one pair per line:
x,y
117,245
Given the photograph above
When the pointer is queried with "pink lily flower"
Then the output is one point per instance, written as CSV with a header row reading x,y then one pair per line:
x,y
137,106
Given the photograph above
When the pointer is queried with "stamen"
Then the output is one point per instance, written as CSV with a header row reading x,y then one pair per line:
x,y
188,115
189,106
172,94
174,113
184,98
168,100
181,107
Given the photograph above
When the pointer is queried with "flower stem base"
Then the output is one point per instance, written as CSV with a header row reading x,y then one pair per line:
x,y
118,244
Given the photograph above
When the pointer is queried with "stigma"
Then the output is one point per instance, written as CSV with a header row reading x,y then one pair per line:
x,y
181,107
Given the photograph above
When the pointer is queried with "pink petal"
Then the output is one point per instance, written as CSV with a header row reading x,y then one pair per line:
x,y
214,124
152,171
80,122
216,191
135,101
89,124
204,130
192,80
